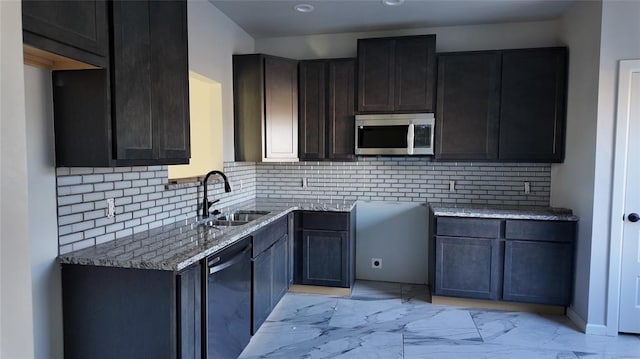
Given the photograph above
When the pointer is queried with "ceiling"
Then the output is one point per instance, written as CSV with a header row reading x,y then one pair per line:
x,y
276,18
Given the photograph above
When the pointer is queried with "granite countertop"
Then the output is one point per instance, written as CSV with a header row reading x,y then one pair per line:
x,y
176,246
508,212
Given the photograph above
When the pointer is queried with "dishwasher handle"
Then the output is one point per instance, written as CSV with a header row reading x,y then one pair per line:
x,y
237,258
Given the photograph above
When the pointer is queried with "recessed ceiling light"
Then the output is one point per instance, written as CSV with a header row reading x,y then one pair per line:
x,y
305,7
392,2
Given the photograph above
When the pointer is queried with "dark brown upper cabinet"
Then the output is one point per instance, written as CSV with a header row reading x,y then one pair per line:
x,y
76,29
533,98
135,112
265,107
326,109
396,74
468,106
502,105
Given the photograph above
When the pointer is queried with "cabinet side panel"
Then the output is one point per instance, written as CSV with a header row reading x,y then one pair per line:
x,y
118,313
76,29
248,106
81,116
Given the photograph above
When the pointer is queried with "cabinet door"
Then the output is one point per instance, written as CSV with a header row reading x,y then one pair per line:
x,y
189,289
325,258
262,286
415,63
170,74
312,105
280,270
468,106
341,107
532,115
73,28
468,267
281,109
538,272
133,123
376,75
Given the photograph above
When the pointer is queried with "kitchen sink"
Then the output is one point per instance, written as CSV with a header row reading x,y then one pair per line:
x,y
244,216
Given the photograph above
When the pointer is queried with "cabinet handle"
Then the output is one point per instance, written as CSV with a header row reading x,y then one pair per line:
x,y
410,138
230,262
633,217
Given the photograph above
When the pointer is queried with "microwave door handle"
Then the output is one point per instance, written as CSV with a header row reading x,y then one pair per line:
x,y
410,139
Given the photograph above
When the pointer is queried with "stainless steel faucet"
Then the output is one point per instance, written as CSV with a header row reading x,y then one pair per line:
x,y
205,201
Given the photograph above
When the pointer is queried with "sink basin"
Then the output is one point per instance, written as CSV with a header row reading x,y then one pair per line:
x,y
224,223
244,216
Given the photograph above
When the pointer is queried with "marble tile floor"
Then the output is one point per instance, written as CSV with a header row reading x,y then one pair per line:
x,y
393,320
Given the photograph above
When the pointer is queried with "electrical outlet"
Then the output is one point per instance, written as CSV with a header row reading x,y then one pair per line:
x,y
376,263
452,186
111,207
527,187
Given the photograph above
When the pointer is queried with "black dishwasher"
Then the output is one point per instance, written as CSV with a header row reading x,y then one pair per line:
x,y
228,303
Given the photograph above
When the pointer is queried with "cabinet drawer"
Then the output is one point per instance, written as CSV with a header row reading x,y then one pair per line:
x,y
328,221
468,227
550,231
265,237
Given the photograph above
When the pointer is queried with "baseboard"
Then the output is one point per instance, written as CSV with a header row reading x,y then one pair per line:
x,y
577,320
312,289
500,305
596,329
591,329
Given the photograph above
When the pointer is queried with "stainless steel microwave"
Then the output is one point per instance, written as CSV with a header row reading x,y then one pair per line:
x,y
397,134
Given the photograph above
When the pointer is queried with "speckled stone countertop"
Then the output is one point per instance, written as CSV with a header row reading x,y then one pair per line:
x,y
508,212
176,246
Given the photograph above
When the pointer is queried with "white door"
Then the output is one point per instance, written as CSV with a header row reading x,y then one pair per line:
x,y
629,319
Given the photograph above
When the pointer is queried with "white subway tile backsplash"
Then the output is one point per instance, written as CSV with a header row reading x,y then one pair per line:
x,y
131,176
143,202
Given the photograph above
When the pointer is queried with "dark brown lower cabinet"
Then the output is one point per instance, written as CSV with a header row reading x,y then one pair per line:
x,y
270,270
527,261
131,313
324,248
325,258
538,272
469,267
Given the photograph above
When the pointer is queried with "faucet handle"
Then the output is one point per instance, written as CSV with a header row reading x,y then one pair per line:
x,y
208,204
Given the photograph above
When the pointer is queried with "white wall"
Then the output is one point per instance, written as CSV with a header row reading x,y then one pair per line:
x,y
213,38
397,234
619,41
43,229
572,182
16,317
454,38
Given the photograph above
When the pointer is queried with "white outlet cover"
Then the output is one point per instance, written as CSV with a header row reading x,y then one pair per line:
x,y
111,207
